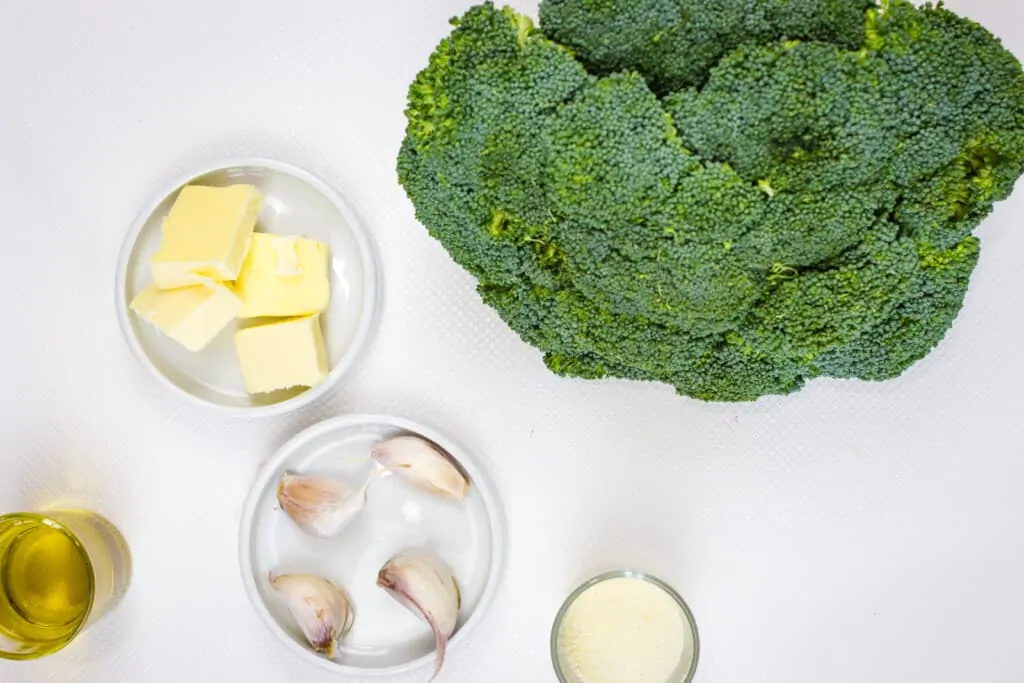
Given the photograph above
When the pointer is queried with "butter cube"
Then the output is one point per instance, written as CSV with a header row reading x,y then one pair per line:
x,y
192,316
284,276
206,235
281,355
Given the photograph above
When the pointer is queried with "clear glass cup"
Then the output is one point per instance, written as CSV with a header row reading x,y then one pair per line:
x,y
690,652
60,572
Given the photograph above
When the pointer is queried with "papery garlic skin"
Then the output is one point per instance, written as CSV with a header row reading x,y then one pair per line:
x,y
427,587
424,464
322,610
321,506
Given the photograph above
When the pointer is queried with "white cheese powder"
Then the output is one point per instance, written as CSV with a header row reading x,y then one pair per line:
x,y
623,631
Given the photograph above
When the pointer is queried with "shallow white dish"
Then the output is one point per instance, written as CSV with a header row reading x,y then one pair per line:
x,y
296,202
385,639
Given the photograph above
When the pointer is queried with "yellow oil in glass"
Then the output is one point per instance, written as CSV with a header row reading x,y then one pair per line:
x,y
46,586
46,579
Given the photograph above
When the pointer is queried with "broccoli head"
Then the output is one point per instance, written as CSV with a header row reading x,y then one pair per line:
x,y
730,196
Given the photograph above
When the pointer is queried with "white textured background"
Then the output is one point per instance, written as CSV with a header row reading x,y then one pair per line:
x,y
850,533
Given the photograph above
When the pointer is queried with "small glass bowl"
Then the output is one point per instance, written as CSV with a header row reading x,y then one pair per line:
x,y
687,665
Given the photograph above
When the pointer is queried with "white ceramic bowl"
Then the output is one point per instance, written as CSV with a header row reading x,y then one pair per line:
x,y
386,639
296,202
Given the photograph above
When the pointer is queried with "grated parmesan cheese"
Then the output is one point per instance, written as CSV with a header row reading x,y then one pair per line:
x,y
623,630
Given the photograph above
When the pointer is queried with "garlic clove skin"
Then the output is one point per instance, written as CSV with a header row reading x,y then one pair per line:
x,y
321,506
426,586
424,464
321,609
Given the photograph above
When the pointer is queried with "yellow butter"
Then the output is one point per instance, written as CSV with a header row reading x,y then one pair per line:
x,y
192,316
206,235
284,276
281,355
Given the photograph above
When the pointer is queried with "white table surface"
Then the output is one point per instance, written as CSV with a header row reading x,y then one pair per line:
x,y
853,532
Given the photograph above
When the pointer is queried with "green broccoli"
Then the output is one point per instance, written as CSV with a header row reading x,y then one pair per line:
x,y
675,43
731,196
471,156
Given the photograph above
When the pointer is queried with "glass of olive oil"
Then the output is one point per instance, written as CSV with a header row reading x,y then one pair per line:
x,y
60,572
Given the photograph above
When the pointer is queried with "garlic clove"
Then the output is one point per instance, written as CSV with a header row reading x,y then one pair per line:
x,y
321,609
427,587
321,506
424,464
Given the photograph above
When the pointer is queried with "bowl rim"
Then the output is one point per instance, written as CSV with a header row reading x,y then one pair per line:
x,y
651,579
372,294
478,476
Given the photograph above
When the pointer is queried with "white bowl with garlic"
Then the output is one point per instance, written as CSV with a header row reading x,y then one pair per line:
x,y
372,545
249,286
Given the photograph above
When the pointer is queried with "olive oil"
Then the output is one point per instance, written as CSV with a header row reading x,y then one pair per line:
x,y
57,573
46,584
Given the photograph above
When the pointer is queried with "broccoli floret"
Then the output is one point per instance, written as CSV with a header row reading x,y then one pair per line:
x,y
617,169
817,311
732,197
471,156
932,299
581,339
674,43
960,118
808,117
